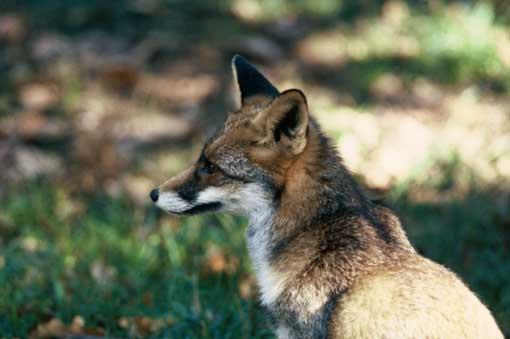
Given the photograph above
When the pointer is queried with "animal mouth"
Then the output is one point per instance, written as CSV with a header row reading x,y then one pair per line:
x,y
199,209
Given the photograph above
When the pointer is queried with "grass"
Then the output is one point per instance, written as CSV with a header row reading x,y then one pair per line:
x,y
107,261
461,47
111,261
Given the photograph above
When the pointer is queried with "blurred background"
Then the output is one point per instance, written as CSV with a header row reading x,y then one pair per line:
x,y
102,100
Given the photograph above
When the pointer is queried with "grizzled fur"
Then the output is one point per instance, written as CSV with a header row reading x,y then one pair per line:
x,y
330,263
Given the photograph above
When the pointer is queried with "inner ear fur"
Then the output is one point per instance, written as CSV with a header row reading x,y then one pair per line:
x,y
285,120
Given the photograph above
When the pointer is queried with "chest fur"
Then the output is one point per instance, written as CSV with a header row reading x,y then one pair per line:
x,y
300,311
259,239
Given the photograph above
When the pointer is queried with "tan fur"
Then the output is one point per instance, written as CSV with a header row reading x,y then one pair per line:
x,y
420,297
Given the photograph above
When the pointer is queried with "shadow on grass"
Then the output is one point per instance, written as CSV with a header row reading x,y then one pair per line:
x,y
356,78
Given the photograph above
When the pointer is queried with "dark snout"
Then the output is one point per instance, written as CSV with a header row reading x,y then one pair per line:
x,y
154,194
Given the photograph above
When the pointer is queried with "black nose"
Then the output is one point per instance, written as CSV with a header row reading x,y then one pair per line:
x,y
154,194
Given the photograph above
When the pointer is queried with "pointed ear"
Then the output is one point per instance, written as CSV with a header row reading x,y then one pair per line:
x,y
285,122
252,84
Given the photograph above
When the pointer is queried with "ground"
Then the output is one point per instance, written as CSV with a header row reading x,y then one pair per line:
x,y
100,102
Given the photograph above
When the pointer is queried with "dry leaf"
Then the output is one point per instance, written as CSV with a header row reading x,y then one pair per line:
x,y
216,261
143,325
120,77
37,97
148,298
54,327
246,288
77,324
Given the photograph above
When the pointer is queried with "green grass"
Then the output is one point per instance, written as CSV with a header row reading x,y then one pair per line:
x,y
105,259
461,47
148,269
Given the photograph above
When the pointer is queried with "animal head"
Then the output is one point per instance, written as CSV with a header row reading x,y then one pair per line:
x,y
243,167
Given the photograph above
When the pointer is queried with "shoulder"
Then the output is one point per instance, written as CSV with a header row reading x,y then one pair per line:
x,y
407,299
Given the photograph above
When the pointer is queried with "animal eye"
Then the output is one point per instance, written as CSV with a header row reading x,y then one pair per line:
x,y
208,168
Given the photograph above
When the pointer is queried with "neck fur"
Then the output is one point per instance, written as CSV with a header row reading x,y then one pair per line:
x,y
259,239
318,185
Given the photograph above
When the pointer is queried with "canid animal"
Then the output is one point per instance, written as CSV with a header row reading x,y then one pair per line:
x,y
330,263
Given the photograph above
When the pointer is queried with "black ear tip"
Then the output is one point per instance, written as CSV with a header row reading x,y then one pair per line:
x,y
251,82
239,62
237,59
